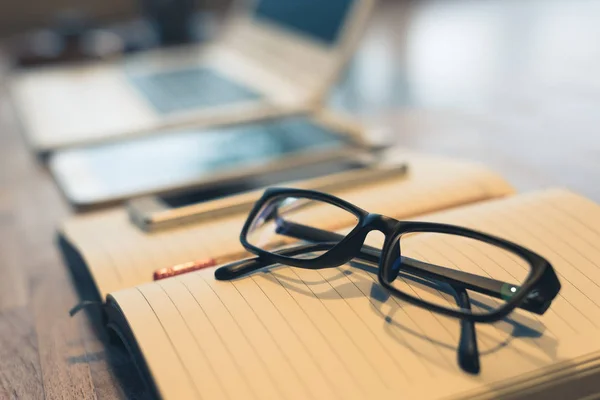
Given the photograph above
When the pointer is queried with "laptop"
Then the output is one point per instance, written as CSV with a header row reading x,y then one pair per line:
x,y
273,58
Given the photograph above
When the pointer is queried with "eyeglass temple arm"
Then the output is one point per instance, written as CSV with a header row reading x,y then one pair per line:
x,y
243,267
477,283
468,352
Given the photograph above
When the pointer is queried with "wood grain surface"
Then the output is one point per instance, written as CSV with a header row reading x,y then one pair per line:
x,y
506,90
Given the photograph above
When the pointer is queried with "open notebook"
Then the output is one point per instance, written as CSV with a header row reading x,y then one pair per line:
x,y
332,334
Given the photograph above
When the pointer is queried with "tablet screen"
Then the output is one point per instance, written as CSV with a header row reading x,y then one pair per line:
x,y
176,159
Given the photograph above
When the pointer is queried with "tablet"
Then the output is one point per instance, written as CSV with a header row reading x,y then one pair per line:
x,y
176,161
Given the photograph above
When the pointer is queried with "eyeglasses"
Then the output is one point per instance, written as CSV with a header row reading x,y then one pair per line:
x,y
413,264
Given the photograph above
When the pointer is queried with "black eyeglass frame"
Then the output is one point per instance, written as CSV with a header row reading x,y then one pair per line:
x,y
539,288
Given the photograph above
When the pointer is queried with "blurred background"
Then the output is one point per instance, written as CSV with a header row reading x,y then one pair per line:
x,y
514,83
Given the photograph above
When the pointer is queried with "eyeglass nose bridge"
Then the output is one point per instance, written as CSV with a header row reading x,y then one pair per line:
x,y
381,223
388,226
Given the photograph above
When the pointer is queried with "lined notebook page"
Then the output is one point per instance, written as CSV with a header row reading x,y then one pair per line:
x,y
334,334
119,255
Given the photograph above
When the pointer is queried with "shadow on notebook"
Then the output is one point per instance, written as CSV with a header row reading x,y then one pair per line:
x,y
512,327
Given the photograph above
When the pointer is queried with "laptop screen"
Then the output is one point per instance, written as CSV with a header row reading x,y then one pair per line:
x,y
322,20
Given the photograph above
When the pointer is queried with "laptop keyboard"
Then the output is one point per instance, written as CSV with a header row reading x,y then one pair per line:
x,y
188,89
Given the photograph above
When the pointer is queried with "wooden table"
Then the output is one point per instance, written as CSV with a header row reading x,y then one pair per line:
x,y
511,84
